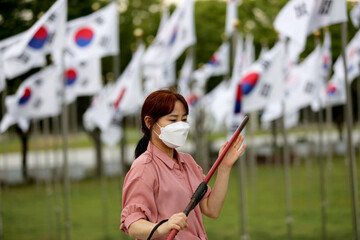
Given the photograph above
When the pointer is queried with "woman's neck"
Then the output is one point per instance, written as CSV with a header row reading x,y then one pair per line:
x,y
165,149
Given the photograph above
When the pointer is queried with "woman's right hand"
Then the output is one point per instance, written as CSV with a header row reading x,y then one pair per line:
x,y
177,221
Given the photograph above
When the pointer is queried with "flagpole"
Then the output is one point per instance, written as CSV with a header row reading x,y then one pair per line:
x,y
286,159
57,163
48,187
241,165
320,158
3,94
328,131
349,126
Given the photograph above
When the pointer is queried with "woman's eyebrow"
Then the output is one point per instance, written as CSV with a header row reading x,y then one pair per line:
x,y
176,115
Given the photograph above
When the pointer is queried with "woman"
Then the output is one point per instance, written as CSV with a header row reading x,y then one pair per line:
x,y
162,180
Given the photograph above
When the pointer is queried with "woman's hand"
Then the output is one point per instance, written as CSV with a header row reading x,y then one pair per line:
x,y
233,153
177,221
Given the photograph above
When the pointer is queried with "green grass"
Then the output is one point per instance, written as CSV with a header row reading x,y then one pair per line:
x,y
28,213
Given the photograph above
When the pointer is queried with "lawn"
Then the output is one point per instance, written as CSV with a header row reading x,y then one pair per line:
x,y
29,212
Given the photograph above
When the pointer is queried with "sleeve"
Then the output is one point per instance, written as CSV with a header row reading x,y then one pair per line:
x,y
138,202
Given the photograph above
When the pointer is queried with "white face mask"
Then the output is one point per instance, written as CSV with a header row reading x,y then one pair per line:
x,y
174,135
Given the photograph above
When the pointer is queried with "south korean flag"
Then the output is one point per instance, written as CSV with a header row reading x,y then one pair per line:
x,y
93,36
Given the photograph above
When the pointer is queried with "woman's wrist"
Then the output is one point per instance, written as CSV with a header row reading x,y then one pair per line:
x,y
224,169
162,230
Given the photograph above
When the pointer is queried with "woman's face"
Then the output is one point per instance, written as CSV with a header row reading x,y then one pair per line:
x,y
178,114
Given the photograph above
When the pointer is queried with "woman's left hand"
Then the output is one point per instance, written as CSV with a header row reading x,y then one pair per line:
x,y
233,153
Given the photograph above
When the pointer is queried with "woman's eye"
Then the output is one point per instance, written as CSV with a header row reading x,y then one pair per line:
x,y
172,120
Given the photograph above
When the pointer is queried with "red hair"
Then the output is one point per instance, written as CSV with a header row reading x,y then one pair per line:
x,y
156,105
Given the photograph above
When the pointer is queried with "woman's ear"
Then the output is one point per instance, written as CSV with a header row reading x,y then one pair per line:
x,y
148,121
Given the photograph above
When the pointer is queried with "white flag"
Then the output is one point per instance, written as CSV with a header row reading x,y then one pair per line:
x,y
249,51
352,53
157,77
185,75
303,82
45,36
101,111
15,66
293,20
326,13
83,79
2,76
118,99
218,65
37,97
355,15
335,91
93,36
262,83
177,34
164,19
299,18
325,71
217,103
129,85
231,16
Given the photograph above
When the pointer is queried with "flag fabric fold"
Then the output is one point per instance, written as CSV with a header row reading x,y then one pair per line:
x,y
175,36
217,66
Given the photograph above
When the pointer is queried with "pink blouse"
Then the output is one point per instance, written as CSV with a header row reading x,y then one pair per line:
x,y
156,187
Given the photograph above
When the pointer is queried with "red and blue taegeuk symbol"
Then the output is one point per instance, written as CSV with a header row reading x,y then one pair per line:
x,y
25,96
331,89
214,61
71,76
174,35
84,36
238,98
39,39
192,99
326,62
249,82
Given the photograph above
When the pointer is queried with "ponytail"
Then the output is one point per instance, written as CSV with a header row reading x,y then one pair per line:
x,y
142,146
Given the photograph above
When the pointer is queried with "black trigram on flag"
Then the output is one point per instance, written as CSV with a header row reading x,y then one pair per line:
x,y
52,18
24,57
300,10
99,20
325,7
309,87
265,90
104,41
37,103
